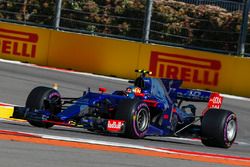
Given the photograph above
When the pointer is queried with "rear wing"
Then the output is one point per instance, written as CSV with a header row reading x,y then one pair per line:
x,y
193,95
214,99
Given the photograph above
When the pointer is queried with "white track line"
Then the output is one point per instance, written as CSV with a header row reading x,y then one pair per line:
x,y
236,97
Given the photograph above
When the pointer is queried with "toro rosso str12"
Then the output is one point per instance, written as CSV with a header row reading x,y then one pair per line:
x,y
150,107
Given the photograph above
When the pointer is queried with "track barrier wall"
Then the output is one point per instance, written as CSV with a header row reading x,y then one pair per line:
x,y
93,54
113,57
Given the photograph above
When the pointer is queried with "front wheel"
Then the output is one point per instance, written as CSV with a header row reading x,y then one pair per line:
x,y
136,115
35,101
218,128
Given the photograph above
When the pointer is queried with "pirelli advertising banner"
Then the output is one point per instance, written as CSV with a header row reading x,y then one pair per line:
x,y
23,43
198,69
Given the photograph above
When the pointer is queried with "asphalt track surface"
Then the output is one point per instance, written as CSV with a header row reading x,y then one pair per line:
x,y
16,81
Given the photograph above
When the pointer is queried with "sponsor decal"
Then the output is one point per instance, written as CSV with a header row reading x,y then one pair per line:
x,y
193,94
187,68
115,125
18,43
215,101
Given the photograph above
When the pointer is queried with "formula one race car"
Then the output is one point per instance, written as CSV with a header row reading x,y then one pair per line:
x,y
152,106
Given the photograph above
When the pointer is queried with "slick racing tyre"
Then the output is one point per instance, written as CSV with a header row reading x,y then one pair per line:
x,y
136,115
36,101
218,128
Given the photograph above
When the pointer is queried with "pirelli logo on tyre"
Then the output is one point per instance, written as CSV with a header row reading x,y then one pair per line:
x,y
187,68
18,43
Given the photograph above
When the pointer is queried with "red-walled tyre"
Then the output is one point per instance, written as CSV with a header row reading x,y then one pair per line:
x,y
35,100
136,115
218,128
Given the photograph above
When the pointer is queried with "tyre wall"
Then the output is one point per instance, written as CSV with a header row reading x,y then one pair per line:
x,y
113,57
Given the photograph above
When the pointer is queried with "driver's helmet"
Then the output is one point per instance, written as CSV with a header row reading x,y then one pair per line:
x,y
132,90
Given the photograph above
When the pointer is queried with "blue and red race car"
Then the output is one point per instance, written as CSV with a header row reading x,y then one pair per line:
x,y
151,106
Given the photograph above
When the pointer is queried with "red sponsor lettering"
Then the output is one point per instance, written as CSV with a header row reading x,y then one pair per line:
x,y
185,74
115,125
6,47
172,71
187,68
15,49
215,101
18,43
18,35
196,78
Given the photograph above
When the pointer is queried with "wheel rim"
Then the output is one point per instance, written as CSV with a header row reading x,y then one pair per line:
x,y
231,130
142,120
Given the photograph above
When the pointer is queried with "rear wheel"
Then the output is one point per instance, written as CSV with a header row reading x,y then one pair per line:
x,y
219,128
136,115
36,101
